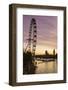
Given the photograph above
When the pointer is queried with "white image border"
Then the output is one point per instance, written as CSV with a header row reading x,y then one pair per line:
x,y
19,53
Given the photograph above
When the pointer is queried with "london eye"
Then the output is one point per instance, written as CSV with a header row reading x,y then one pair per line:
x,y
32,37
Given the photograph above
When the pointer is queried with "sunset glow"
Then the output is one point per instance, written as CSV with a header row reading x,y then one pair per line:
x,y
46,32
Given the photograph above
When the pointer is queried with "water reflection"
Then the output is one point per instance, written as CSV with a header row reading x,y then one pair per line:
x,y
39,64
46,66
40,67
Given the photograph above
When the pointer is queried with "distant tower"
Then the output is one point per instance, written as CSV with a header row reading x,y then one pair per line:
x,y
46,52
54,52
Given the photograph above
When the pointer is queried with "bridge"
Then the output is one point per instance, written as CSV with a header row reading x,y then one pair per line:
x,y
46,57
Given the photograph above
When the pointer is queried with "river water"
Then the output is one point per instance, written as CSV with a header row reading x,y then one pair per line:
x,y
44,66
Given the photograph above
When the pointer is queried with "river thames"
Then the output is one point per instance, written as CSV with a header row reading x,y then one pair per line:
x,y
44,66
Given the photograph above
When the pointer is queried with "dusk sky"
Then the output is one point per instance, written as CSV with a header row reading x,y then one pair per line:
x,y
46,32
